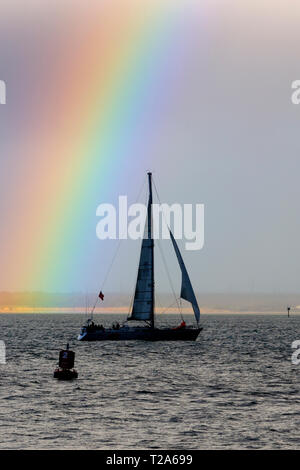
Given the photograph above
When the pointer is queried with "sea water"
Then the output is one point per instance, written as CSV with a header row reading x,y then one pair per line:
x,y
234,388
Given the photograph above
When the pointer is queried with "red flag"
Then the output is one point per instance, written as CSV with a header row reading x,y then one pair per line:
x,y
101,295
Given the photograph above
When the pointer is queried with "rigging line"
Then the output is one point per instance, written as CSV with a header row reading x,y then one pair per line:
x,y
164,217
157,303
165,223
165,264
170,306
107,274
115,254
133,293
130,305
169,277
159,201
179,307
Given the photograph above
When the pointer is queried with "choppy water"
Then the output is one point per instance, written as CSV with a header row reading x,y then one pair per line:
x,y
233,388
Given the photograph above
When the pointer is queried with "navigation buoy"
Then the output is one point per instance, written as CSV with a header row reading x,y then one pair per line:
x,y
65,369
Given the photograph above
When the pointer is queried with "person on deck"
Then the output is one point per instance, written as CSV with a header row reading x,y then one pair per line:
x,y
182,325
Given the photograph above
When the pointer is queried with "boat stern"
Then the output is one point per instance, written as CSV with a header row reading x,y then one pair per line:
x,y
82,334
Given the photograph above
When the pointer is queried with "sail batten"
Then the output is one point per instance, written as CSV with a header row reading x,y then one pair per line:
x,y
187,291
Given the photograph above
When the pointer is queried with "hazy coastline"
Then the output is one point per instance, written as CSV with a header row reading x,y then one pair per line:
x,y
210,303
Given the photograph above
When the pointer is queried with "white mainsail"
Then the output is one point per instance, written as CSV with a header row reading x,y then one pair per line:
x,y
187,291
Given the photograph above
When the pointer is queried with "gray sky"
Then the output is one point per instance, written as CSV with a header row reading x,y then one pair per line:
x,y
228,137
232,140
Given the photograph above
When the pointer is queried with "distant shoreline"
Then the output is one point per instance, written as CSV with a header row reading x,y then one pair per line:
x,y
115,311
119,303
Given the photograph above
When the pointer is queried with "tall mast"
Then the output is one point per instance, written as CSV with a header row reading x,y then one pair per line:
x,y
150,237
143,302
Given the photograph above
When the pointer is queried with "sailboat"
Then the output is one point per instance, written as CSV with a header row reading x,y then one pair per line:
x,y
143,308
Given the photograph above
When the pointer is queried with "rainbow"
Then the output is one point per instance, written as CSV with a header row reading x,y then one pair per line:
x,y
89,122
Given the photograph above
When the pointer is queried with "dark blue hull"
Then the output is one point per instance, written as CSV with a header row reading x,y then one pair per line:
x,y
140,333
